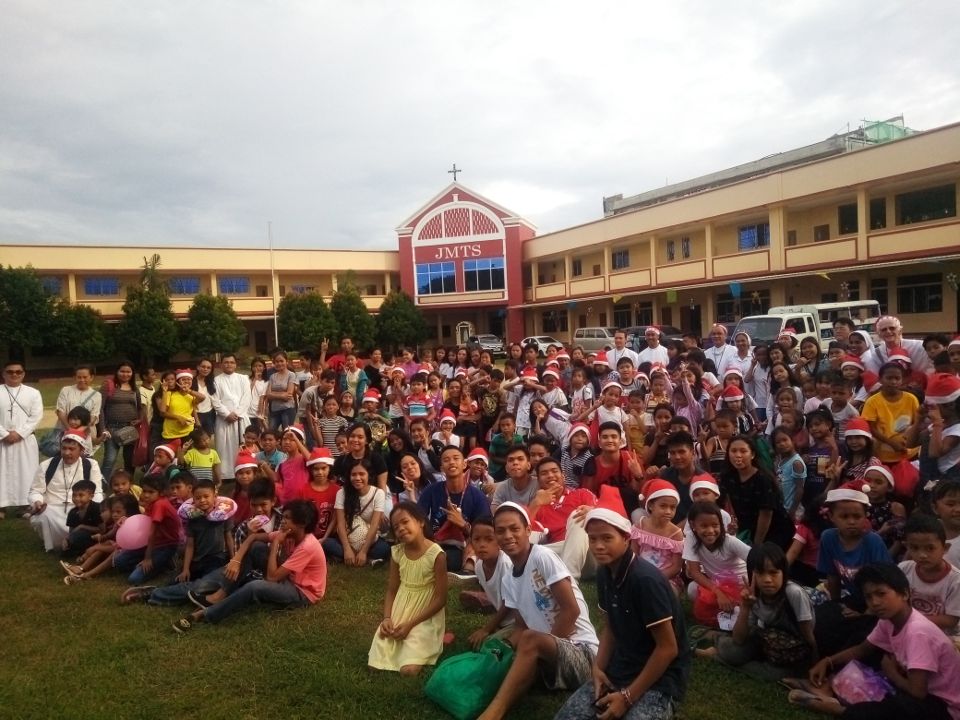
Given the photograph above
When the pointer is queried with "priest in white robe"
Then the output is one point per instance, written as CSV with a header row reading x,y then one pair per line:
x,y
21,409
51,500
231,403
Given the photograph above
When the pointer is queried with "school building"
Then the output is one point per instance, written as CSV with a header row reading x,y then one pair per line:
x,y
866,214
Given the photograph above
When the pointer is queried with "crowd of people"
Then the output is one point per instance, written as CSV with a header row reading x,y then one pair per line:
x,y
805,504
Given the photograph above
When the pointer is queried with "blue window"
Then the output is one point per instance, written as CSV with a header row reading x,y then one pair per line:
x,y
751,237
102,286
52,285
484,274
436,278
303,289
620,259
184,286
234,285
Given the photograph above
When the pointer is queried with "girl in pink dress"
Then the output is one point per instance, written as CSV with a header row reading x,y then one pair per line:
x,y
655,538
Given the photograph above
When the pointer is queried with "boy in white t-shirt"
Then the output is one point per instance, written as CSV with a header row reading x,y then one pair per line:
x,y
934,582
553,637
492,565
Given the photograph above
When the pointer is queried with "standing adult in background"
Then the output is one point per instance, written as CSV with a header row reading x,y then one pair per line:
x,y
256,410
203,384
121,409
654,353
231,402
741,360
374,367
148,386
21,409
335,362
281,393
620,350
719,351
842,327
80,393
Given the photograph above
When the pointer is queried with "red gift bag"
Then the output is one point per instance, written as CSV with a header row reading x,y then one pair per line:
x,y
141,452
705,607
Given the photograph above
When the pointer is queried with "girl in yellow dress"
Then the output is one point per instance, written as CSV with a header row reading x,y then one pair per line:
x,y
411,634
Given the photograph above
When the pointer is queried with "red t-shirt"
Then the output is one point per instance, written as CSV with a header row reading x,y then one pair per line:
x,y
292,475
555,515
323,500
166,523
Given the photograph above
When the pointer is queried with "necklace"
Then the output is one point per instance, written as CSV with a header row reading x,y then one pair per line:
x,y
14,399
68,482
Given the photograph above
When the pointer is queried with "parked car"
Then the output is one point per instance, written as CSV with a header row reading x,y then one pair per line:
x,y
636,340
491,343
594,339
543,341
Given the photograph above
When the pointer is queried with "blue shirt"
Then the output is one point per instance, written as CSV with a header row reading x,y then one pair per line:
x,y
433,499
835,560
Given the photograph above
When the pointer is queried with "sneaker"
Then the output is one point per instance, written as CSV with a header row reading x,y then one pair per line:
x,y
72,579
183,625
75,570
199,600
377,561
136,594
461,578
476,600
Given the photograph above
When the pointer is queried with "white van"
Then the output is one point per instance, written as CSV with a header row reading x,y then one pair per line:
x,y
594,339
864,314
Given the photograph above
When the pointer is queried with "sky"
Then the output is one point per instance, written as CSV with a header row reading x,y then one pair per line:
x,y
197,124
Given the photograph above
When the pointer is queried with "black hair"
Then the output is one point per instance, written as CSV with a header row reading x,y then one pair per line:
x,y
548,460
496,374
922,523
329,375
540,440
681,421
939,338
80,413
609,425
130,504
198,433
205,484
845,321
821,413
944,488
425,476
351,497
508,416
680,438
303,513
419,377
725,414
121,472
154,481
186,477
706,508
207,381
262,489
417,513
517,447
485,520
419,421
664,406
366,432
891,366
133,377
446,448
88,485
836,345
772,553
269,433
883,574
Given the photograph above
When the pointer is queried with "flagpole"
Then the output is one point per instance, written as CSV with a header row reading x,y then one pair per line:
x,y
273,286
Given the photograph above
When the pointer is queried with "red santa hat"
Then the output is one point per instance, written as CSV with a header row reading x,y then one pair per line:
x,y
479,454
955,341
77,435
871,381
448,416
857,427
942,388
610,510
841,494
170,448
320,455
601,359
461,372
733,370
426,367
731,393
551,373
296,429
852,361
245,460
611,384
183,372
529,372
563,355
371,395
578,428
704,481
398,369
883,472
657,488
898,354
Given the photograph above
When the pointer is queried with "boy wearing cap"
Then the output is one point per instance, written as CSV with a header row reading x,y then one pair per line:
x,y
553,637
643,663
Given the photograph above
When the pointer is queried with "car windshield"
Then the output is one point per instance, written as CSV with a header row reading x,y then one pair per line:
x,y
761,329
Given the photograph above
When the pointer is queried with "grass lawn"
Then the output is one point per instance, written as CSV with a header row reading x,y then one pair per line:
x,y
76,652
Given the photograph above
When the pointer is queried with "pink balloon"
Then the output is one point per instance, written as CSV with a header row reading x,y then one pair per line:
x,y
135,532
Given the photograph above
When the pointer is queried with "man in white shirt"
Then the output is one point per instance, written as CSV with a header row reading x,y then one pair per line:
x,y
654,353
231,402
51,493
620,350
21,409
80,393
719,351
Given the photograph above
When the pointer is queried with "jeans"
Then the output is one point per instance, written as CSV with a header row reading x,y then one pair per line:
x,y
77,542
110,452
380,550
208,421
261,592
282,418
129,561
176,594
652,705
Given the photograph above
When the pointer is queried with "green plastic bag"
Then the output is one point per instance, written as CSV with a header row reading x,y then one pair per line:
x,y
464,685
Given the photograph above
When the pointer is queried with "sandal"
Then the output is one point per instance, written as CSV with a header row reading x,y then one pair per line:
x,y
74,570
183,625
72,579
808,699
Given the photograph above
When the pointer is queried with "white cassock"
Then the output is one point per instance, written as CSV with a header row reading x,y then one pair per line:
x,y
21,410
653,355
232,396
51,524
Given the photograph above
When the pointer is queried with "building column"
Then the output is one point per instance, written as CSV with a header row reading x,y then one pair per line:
x,y
606,267
708,250
333,283
72,288
863,223
567,269
213,284
778,238
654,283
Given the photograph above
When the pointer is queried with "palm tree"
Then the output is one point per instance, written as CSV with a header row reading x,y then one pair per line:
x,y
150,277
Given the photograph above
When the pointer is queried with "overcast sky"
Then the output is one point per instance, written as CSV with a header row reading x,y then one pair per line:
x,y
194,123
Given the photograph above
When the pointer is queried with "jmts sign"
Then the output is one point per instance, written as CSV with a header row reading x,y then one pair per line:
x,y
455,252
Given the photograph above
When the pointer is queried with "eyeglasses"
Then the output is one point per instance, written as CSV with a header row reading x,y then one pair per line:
x,y
13,372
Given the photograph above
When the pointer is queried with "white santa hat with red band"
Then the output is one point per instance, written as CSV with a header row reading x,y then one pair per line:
x,y
551,373
168,449
857,427
528,372
611,384
601,359
704,482
184,373
882,470
898,354
564,355
76,435
479,454
732,393
399,369
733,371
942,388
657,488
955,341
245,460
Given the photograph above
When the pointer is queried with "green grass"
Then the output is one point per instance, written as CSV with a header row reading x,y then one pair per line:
x,y
75,652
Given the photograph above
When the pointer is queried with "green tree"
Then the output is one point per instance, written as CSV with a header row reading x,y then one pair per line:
x,y
303,321
148,330
212,327
350,312
80,333
400,322
26,311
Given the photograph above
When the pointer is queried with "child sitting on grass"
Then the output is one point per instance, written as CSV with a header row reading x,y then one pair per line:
x,y
98,558
83,520
918,659
158,556
411,633
295,576
492,565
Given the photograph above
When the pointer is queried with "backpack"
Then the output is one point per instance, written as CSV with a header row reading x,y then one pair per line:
x,y
55,463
